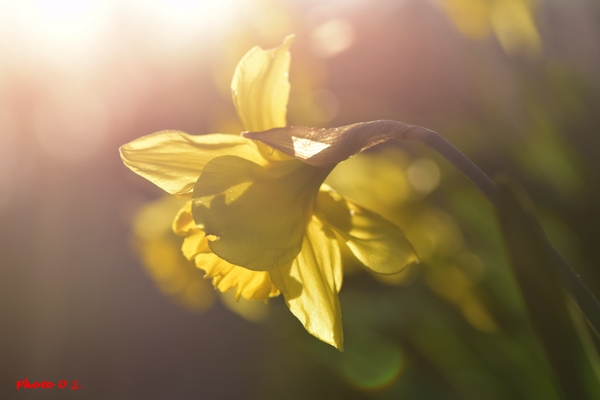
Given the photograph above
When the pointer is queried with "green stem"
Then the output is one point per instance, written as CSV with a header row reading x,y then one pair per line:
x,y
570,280
435,141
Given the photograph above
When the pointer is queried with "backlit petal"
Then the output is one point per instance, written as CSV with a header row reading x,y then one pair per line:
x,y
255,215
375,241
195,243
184,221
327,147
248,284
260,87
173,160
311,283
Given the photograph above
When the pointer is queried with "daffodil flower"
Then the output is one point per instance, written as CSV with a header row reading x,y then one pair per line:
x,y
260,219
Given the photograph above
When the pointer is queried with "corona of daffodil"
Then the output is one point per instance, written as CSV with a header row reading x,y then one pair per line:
x,y
259,219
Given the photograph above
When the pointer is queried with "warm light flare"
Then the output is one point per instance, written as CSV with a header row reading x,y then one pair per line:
x,y
60,30
67,30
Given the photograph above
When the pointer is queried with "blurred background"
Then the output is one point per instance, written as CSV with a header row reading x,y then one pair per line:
x,y
93,287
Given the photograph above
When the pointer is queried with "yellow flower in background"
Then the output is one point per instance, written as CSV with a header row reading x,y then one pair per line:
x,y
511,21
260,221
158,249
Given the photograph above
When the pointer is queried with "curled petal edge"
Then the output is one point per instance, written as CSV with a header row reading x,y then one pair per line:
x,y
324,147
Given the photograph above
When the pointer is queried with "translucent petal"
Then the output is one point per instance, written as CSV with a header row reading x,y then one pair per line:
x,y
255,215
184,221
248,284
310,284
375,241
195,243
173,160
327,147
260,87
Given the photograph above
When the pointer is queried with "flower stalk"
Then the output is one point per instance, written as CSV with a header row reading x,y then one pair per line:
x,y
570,281
437,142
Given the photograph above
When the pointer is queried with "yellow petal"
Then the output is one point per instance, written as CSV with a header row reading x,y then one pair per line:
x,y
255,215
328,147
195,243
260,87
184,221
310,285
173,160
249,284
375,241
254,285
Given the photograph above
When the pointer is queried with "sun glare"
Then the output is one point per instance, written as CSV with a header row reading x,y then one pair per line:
x,y
66,30
91,62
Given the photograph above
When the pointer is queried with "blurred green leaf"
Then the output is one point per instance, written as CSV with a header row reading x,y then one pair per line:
x,y
534,263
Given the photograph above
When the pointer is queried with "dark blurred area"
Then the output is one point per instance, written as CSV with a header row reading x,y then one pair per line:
x,y
513,84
